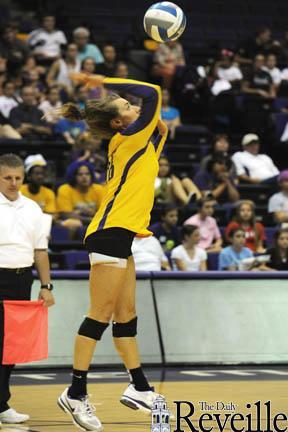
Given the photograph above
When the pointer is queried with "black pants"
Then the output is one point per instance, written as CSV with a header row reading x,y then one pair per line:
x,y
13,286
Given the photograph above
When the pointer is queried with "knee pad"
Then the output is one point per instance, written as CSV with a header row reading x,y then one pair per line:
x,y
92,329
128,329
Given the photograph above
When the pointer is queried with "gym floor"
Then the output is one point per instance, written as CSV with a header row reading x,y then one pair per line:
x,y
35,392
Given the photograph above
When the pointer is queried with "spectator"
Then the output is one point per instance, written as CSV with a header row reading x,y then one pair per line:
x,y
35,174
278,203
260,44
246,219
8,100
272,69
279,253
122,70
88,66
80,197
61,68
81,96
31,65
81,37
258,83
46,42
166,231
166,59
220,144
217,179
50,103
32,79
3,72
226,69
148,255
13,50
89,148
189,256
231,256
26,118
210,236
251,166
170,115
169,188
108,68
69,130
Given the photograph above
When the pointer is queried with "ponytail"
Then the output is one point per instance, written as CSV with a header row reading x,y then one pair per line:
x,y
98,114
69,111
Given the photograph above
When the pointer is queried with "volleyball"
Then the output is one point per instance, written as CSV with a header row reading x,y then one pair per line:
x,y
164,21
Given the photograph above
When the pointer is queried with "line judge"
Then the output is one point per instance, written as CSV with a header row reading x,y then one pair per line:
x,y
23,242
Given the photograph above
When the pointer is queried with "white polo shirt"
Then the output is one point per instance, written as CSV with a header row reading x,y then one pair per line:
x,y
21,232
258,166
48,43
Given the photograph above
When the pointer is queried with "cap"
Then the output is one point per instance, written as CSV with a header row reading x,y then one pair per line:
x,y
283,175
249,138
34,160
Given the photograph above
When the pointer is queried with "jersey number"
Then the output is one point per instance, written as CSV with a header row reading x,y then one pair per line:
x,y
110,168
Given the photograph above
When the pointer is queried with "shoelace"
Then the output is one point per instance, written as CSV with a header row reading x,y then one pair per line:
x,y
85,407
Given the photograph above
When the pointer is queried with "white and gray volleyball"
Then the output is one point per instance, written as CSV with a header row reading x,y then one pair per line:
x,y
164,21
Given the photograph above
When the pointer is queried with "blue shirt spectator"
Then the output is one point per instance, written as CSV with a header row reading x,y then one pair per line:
x,y
170,113
81,38
230,257
69,129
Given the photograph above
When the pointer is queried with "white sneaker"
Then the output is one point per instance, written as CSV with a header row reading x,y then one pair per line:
x,y
11,416
81,412
138,400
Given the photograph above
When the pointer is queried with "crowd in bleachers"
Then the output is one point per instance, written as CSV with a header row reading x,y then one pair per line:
x,y
221,203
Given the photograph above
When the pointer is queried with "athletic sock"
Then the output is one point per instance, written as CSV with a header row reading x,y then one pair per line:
x,y
78,388
139,380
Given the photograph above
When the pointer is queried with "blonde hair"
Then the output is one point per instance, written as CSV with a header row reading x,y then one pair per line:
x,y
97,113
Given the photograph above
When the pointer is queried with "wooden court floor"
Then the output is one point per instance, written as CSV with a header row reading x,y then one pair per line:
x,y
40,402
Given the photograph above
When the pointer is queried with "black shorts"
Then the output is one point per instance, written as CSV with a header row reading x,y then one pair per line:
x,y
114,242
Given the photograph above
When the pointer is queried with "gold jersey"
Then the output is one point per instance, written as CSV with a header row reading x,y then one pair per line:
x,y
132,164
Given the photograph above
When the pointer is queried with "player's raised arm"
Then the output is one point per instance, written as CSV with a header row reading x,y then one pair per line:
x,y
151,105
149,93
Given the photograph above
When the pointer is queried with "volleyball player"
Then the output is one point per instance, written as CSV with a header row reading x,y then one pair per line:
x,y
124,212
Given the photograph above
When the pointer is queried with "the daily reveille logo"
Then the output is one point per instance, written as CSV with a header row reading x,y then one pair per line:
x,y
218,417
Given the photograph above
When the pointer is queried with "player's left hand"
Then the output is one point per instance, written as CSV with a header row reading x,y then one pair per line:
x,y
162,127
47,296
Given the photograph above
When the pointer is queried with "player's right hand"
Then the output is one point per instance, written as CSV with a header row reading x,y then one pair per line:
x,y
90,81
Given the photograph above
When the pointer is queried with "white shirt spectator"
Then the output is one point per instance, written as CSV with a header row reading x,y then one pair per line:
x,y
192,264
278,203
232,73
47,109
6,105
284,74
275,74
258,166
22,231
148,254
47,43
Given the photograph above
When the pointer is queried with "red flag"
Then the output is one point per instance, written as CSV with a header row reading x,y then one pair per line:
x,y
25,331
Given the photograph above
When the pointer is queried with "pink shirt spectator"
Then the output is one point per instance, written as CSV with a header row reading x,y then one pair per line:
x,y
208,227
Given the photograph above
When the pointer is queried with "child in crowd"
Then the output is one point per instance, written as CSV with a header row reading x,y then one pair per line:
x,y
210,236
167,231
279,253
231,256
170,115
246,219
189,256
170,189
